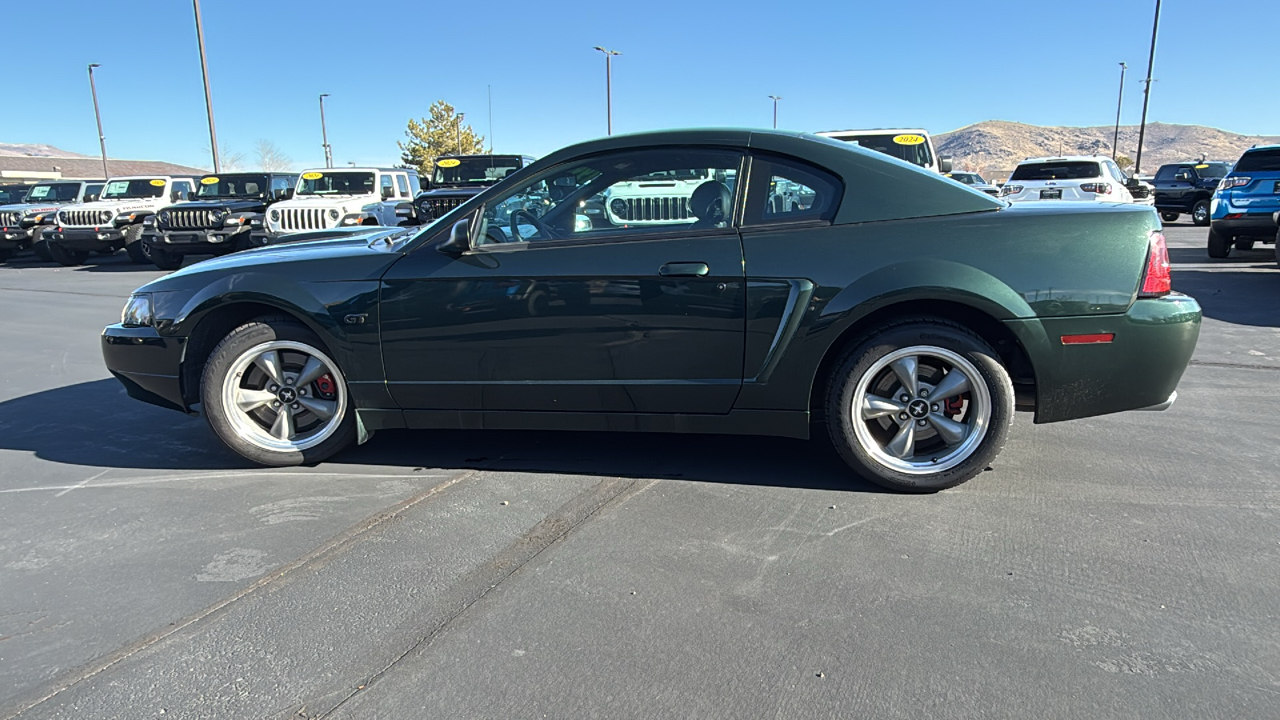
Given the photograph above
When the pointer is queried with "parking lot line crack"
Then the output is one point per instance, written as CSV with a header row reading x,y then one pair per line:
x,y
332,546
480,582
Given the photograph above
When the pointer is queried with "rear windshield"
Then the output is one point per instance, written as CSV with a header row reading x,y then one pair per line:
x,y
1259,161
1064,170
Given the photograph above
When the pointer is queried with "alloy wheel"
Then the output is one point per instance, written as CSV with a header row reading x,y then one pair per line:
x,y
921,410
284,396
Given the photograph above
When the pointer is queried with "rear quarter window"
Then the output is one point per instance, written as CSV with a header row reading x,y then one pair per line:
x,y
1259,161
1068,170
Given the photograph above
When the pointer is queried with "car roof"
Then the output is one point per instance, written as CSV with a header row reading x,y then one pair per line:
x,y
873,131
1262,147
151,177
1066,158
355,169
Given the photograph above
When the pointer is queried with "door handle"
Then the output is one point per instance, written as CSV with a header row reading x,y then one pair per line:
x,y
684,269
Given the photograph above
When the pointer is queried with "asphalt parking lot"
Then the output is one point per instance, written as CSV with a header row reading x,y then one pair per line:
x,y
1123,566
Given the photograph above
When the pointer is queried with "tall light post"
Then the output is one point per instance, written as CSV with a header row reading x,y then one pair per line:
x,y
208,98
608,83
324,135
775,99
102,139
457,132
1115,142
1146,95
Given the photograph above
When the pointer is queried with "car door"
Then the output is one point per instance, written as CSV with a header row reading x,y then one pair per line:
x,y
551,312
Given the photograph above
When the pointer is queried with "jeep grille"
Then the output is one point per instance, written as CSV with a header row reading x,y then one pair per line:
x,y
187,219
85,218
652,209
433,208
305,219
9,219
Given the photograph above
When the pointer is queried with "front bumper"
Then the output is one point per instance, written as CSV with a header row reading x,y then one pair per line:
x,y
205,240
99,238
1139,369
14,237
146,363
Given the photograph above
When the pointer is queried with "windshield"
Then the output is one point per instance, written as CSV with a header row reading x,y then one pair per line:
x,y
13,194
917,154
130,189
232,186
1213,170
968,178
1259,161
53,192
336,183
1060,170
474,170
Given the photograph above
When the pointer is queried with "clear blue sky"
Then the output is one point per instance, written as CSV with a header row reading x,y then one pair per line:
x,y
940,64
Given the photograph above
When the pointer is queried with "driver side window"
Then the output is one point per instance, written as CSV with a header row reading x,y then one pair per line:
x,y
618,196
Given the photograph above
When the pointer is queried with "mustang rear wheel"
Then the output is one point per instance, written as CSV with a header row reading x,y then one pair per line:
x,y
275,397
920,406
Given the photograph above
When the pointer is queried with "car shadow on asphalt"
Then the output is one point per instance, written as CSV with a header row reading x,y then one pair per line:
x,y
96,424
1229,292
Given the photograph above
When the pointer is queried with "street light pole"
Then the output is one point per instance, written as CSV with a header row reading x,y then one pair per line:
x,y
1146,95
208,97
608,84
102,139
1115,143
324,135
457,130
775,99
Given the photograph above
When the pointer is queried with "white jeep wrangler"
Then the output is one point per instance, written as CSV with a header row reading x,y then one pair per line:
x,y
114,220
334,197
660,198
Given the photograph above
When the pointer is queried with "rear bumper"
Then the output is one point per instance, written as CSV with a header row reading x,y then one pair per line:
x,y
146,363
85,238
1139,369
1261,225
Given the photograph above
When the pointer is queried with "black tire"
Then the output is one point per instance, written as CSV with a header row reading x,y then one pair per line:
x,y
1219,244
1200,213
862,358
138,253
164,259
66,257
230,351
1169,216
39,245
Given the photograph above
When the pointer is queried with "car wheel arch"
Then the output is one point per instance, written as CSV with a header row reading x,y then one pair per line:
x,y
1013,354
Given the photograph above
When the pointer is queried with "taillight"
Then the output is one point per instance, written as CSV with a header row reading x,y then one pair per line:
x,y
1157,282
1099,188
1010,190
1233,182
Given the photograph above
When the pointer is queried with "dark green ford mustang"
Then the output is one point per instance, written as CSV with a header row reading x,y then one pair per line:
x,y
730,281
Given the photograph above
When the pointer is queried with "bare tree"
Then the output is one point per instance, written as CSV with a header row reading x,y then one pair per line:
x,y
228,159
270,157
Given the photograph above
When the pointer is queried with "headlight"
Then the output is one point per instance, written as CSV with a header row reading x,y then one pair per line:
x,y
619,208
164,218
219,217
333,214
104,216
137,312
275,216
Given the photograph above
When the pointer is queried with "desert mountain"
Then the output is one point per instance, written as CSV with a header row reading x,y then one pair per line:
x,y
995,147
35,150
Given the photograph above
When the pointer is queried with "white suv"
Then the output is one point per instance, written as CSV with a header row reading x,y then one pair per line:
x,y
332,197
1089,178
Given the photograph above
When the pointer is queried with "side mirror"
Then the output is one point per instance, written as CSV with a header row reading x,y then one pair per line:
x,y
90,198
191,195
284,194
404,210
944,165
176,196
388,192
459,241
1133,182
1183,177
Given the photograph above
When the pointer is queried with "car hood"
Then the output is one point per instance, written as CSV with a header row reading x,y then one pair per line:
x,y
22,207
117,206
328,201
364,256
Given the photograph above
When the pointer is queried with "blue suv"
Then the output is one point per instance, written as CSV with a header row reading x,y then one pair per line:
x,y
1246,202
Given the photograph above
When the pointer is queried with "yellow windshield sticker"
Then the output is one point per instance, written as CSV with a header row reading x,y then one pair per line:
x,y
908,139
449,162
312,175
158,183
209,180
1201,167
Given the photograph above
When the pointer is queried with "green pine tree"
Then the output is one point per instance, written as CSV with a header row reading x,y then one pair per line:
x,y
441,133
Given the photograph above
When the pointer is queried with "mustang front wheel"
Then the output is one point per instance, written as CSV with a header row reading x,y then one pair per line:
x,y
920,406
275,397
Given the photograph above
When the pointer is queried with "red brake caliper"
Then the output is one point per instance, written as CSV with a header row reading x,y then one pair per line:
x,y
953,405
326,387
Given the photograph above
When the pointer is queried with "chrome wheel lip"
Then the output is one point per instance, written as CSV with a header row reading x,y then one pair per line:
x,y
978,418
1200,213
249,429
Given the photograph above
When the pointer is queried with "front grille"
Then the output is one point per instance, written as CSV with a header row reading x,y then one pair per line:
x,y
1140,192
86,218
189,219
10,219
434,207
654,209
305,219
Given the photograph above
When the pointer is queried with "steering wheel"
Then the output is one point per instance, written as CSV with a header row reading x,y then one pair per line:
x,y
533,220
